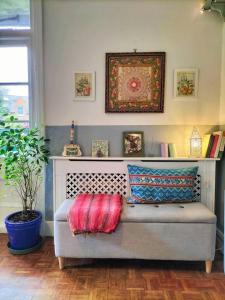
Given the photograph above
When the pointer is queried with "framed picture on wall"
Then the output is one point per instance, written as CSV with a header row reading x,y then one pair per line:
x,y
135,82
185,83
133,143
84,86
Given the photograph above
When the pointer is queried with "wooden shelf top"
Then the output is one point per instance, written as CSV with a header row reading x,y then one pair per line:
x,y
111,158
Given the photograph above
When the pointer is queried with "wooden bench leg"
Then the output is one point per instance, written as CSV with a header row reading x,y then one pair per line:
x,y
61,262
208,266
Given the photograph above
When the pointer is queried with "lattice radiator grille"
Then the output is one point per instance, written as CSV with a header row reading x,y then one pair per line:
x,y
111,183
197,188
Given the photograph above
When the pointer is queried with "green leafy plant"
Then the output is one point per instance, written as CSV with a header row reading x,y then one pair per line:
x,y
23,154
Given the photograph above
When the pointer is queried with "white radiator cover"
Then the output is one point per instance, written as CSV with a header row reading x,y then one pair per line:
x,y
74,175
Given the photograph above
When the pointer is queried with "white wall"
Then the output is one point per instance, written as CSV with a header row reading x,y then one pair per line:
x,y
78,33
222,95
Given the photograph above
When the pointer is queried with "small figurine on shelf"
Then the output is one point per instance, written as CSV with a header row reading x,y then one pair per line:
x,y
72,149
72,133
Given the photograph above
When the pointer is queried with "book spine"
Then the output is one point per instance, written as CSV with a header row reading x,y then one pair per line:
x,y
218,144
222,146
205,143
164,150
172,150
215,142
210,146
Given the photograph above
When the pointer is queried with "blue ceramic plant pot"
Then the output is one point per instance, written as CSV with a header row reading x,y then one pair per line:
x,y
23,235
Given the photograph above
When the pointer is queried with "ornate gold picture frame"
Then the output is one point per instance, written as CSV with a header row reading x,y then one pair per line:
x,y
135,82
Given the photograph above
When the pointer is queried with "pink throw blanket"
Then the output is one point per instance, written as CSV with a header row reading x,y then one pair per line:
x,y
95,213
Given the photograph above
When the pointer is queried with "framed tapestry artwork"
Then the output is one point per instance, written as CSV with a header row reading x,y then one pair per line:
x,y
135,82
133,143
84,86
100,148
185,83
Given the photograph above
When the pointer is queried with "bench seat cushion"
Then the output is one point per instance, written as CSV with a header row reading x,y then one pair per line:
x,y
152,213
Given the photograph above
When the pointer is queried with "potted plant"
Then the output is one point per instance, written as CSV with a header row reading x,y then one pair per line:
x,y
23,155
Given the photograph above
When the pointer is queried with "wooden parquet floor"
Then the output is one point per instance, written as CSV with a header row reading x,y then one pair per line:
x,y
36,276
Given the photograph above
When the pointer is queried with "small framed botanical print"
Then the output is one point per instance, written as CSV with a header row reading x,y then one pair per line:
x,y
185,83
84,86
100,148
133,143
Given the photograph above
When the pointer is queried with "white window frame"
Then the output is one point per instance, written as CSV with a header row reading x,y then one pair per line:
x,y
32,38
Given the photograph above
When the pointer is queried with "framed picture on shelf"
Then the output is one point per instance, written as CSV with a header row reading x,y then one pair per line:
x,y
135,82
100,148
84,86
185,83
133,143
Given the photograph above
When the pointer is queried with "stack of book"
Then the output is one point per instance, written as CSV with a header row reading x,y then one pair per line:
x,y
168,150
213,144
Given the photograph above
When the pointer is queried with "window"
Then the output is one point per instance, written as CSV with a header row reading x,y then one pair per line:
x,y
14,14
14,83
15,36
20,110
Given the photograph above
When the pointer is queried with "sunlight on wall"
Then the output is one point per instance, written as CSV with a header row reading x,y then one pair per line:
x,y
222,90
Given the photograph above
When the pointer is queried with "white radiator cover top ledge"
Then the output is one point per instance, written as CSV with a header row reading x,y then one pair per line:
x,y
145,158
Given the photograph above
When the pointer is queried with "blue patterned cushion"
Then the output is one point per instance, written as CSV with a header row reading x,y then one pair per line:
x,y
161,185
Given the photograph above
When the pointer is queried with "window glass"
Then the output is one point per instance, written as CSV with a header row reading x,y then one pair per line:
x,y
13,64
15,99
14,14
20,110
